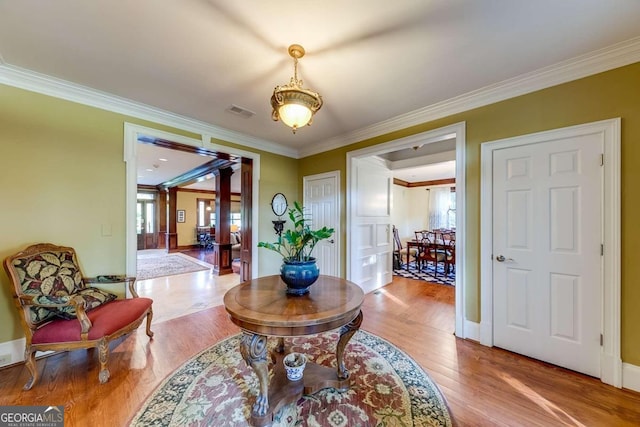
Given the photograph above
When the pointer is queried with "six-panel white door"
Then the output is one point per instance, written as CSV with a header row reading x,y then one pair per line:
x,y
547,267
321,194
371,245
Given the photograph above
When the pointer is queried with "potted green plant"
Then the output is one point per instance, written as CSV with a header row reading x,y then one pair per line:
x,y
299,269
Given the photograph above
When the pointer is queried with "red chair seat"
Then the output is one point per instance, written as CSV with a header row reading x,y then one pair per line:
x,y
106,320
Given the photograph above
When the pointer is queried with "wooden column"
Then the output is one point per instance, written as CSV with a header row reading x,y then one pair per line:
x,y
172,234
222,246
162,219
246,195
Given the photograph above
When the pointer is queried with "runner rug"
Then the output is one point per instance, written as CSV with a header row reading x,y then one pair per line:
x,y
165,265
216,388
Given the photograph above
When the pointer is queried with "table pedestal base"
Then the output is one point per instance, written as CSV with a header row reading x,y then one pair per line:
x,y
271,396
282,391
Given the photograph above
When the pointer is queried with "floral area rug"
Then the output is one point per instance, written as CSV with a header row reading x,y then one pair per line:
x,y
216,388
149,267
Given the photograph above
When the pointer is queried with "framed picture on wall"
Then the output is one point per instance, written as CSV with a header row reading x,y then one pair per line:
x,y
181,216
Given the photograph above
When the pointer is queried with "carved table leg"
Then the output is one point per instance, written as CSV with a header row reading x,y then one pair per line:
x,y
253,348
346,332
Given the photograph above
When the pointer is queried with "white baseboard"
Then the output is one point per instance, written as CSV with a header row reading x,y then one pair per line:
x,y
14,349
471,330
631,376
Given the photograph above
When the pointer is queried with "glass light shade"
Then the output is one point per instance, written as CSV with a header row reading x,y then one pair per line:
x,y
294,115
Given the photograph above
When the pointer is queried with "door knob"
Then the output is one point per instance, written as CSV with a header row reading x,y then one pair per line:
x,y
501,258
331,241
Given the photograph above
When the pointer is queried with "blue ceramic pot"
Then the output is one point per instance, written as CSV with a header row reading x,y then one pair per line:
x,y
299,275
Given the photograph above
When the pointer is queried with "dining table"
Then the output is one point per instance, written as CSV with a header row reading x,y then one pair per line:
x,y
439,244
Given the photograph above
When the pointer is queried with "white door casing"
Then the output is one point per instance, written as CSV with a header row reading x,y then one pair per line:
x,y
322,200
548,204
463,327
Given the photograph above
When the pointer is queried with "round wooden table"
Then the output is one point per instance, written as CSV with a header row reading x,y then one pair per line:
x,y
261,307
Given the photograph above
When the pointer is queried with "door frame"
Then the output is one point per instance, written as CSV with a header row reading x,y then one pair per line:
x,y
463,328
611,362
131,132
336,176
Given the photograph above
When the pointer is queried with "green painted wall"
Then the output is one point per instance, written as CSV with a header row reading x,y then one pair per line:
x,y
62,177
62,180
607,95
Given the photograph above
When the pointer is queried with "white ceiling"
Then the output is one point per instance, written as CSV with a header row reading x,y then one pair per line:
x,y
372,60
157,165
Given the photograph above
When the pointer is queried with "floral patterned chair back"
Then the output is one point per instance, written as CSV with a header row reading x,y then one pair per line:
x,y
51,275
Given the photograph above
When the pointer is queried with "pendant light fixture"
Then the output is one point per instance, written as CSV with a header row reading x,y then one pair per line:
x,y
293,104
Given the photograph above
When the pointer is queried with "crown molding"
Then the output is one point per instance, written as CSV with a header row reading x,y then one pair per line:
x,y
41,83
615,56
598,61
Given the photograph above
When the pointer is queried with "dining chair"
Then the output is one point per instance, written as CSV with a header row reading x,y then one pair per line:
x,y
448,236
450,257
431,250
399,252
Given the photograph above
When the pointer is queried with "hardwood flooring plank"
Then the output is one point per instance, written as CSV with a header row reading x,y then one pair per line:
x,y
483,386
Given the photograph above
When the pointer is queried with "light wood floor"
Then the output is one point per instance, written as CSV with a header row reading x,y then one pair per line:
x,y
483,386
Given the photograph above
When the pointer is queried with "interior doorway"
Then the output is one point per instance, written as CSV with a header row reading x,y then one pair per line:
x,y
204,146
354,161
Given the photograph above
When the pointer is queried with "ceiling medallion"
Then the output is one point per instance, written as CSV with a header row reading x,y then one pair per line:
x,y
293,104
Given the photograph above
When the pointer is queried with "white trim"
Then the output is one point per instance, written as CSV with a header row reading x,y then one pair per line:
x,y
458,131
47,85
332,174
15,350
631,377
608,58
611,362
131,132
472,330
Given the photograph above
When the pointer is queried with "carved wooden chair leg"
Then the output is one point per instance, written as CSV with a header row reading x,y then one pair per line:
x,y
30,363
103,355
149,317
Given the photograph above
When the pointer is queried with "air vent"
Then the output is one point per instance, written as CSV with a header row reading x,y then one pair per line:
x,y
243,112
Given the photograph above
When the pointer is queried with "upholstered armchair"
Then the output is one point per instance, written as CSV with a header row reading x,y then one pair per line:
x,y
235,244
60,311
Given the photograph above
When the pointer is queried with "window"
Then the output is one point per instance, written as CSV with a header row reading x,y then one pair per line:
x,y
206,213
442,208
236,219
451,212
